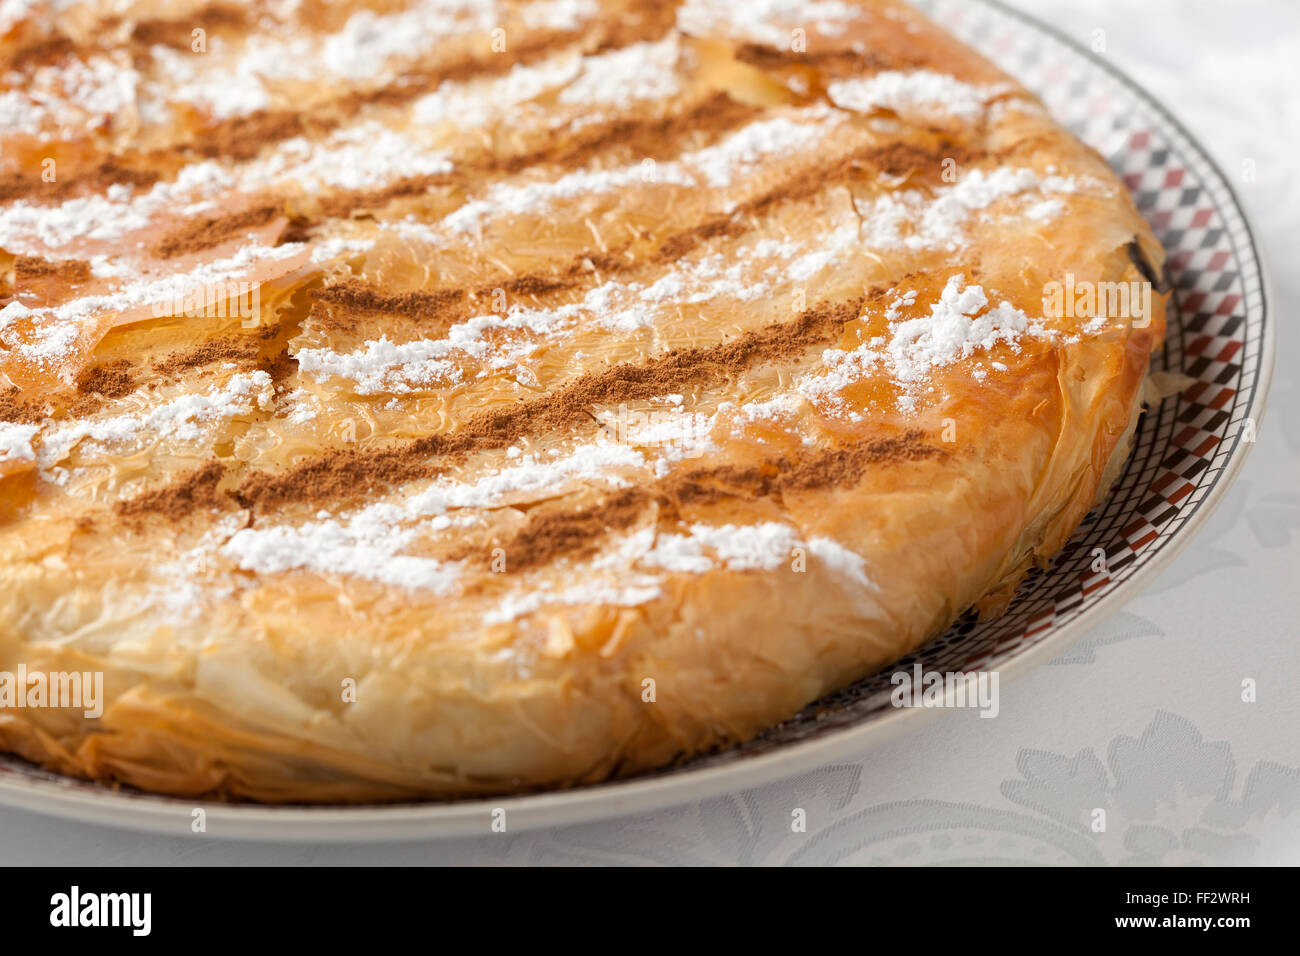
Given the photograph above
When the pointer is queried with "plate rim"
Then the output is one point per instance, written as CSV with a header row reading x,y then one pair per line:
x,y
143,812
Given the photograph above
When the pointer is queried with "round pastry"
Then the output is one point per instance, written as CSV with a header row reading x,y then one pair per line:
x,y
420,400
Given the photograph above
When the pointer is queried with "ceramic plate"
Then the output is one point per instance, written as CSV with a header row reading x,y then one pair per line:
x,y
1186,454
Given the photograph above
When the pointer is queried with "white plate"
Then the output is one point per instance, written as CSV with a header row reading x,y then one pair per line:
x,y
1186,455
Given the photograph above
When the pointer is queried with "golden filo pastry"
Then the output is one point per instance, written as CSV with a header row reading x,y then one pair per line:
x,y
416,400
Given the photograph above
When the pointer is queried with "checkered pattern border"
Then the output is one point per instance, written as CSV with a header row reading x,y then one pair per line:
x,y
1215,338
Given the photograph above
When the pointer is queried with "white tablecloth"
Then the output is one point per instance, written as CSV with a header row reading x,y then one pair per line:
x,y
1143,718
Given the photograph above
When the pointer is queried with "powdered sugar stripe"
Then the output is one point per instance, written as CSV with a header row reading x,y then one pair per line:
x,y
368,51
961,322
915,220
75,97
766,21
364,543
717,166
743,274
917,91
16,442
629,573
53,332
184,418
911,220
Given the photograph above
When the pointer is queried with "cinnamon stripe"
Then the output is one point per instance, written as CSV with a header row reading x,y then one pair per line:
x,y
577,533
241,138
344,474
448,305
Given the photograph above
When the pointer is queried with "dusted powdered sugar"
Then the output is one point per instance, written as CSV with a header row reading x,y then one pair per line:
x,y
559,14
613,578
382,366
373,542
28,228
12,312
619,592
54,340
334,247
784,406
756,547
642,71
716,165
223,93
958,324
183,418
361,51
359,157
477,103
760,547
598,462
368,547
767,21
16,442
369,543
916,220
369,38
674,432
71,97
705,280
176,288
302,407
961,322
58,329
105,216
13,12
741,151
917,90
845,563
367,50
534,198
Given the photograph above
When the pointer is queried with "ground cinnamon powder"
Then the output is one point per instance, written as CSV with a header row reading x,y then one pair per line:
x,y
111,380
229,349
574,533
178,34
195,493
208,231
347,473
24,184
364,296
34,268
337,475
577,533
15,408
842,467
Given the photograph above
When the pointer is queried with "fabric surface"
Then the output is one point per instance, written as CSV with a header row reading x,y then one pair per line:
x,y
1143,718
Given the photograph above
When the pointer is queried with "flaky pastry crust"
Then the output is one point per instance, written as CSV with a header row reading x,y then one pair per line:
x,y
585,435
